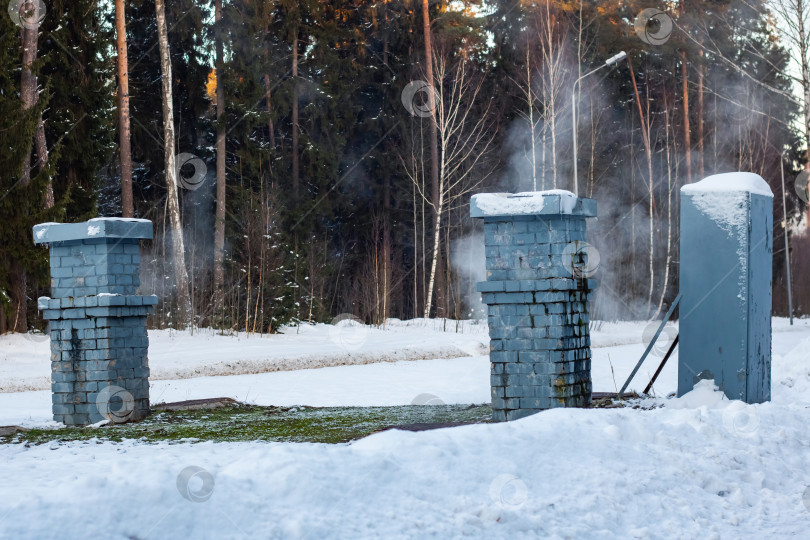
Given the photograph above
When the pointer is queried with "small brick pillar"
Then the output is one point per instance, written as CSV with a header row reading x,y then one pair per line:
x,y
97,324
537,297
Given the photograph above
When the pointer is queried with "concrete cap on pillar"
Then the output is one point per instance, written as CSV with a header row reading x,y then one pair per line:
x,y
96,228
531,203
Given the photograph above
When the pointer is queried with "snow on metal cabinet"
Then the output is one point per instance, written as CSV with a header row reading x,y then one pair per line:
x,y
725,282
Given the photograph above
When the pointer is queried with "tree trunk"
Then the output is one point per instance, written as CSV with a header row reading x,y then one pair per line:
x,y
415,254
803,39
295,172
18,279
28,88
270,126
42,160
386,286
178,250
3,322
123,110
700,118
687,136
669,217
551,83
645,134
434,157
530,103
434,263
438,207
28,94
543,161
219,225
385,35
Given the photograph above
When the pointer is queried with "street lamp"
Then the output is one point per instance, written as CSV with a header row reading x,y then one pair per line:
x,y
609,62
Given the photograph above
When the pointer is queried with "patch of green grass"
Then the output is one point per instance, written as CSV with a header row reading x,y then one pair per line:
x,y
254,423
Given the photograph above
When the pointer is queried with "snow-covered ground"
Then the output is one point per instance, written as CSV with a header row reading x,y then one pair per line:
x,y
367,366
696,467
25,358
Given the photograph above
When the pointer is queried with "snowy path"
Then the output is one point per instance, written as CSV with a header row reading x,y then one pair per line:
x,y
455,380
25,359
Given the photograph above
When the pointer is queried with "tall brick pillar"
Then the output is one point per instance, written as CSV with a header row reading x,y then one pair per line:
x,y
537,298
97,324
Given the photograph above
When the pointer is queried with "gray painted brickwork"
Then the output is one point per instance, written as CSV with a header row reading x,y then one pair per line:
x,y
94,266
537,313
97,324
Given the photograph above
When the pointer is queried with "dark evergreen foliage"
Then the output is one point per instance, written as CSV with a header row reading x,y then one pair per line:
x,y
358,231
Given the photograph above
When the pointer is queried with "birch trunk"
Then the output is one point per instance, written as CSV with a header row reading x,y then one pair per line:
x,y
803,46
178,250
434,154
801,40
530,104
554,70
669,220
463,141
434,259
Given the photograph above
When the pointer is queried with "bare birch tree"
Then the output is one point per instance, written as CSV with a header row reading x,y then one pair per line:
x,y
670,189
178,249
529,111
463,142
434,144
645,119
794,25
553,74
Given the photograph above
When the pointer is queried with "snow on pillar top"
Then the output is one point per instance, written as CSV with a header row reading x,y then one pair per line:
x,y
531,203
734,182
96,228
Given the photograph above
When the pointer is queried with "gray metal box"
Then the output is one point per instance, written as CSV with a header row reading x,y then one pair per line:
x,y
725,282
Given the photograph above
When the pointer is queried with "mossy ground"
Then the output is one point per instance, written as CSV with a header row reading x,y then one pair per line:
x,y
254,423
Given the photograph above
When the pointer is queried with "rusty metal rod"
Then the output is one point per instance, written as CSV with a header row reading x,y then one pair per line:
x,y
664,361
651,345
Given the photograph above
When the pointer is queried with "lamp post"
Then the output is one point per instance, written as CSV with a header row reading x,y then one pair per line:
x,y
609,62
787,249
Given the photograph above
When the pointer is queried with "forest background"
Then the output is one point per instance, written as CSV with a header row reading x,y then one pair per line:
x,y
304,159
